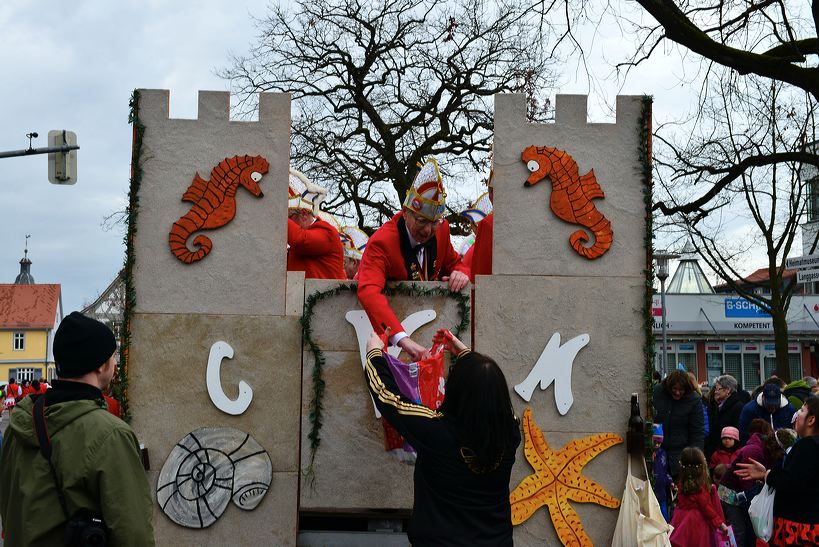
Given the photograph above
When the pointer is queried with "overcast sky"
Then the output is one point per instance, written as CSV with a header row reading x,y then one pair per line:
x,y
73,65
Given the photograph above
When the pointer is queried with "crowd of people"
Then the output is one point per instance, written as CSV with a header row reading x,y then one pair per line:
x,y
715,450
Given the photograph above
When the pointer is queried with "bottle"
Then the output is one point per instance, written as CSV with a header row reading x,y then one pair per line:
x,y
635,441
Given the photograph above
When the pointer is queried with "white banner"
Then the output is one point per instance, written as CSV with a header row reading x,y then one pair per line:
x,y
807,276
801,262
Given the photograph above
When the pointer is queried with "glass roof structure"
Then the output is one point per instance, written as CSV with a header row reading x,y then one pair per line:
x,y
689,277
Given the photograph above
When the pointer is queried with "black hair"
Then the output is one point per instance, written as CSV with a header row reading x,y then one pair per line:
x,y
812,404
477,397
35,384
656,376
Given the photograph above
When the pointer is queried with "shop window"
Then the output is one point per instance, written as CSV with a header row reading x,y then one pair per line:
x,y
750,371
795,366
19,341
713,362
733,366
689,361
658,360
770,366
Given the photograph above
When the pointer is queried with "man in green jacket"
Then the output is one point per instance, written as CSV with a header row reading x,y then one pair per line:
x,y
95,454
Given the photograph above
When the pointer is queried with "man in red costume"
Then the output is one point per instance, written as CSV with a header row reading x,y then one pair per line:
x,y
412,245
479,257
354,241
314,245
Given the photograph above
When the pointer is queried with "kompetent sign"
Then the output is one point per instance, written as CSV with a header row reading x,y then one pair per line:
x,y
739,307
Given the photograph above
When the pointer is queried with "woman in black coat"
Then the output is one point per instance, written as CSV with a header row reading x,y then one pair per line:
x,y
678,406
724,406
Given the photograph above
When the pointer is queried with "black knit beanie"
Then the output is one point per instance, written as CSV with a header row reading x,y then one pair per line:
x,y
81,345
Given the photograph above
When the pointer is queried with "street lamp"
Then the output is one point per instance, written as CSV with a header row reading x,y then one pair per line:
x,y
662,257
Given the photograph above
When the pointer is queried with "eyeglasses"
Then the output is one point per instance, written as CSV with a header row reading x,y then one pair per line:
x,y
422,222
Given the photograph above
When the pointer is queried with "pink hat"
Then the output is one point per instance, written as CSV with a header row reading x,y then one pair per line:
x,y
730,432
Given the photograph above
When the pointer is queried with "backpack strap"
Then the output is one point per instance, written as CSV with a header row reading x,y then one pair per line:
x,y
41,429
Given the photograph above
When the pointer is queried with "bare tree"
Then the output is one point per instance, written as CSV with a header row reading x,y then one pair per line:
x,y
737,159
379,86
772,39
761,206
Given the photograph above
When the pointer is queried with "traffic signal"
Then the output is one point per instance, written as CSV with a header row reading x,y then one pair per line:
x,y
62,166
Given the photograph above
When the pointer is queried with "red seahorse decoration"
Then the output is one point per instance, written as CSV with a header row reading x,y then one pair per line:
x,y
571,197
214,203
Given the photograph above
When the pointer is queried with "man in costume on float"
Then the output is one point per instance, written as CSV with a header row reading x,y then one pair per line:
x,y
479,256
314,245
413,245
354,242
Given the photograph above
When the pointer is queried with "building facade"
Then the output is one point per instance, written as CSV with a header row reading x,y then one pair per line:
x,y
29,315
714,334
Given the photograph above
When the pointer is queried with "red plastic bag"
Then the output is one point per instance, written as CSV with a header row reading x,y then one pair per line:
x,y
425,381
431,380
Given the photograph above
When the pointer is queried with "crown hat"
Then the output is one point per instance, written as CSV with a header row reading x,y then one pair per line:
x,y
354,241
329,219
479,210
426,196
303,193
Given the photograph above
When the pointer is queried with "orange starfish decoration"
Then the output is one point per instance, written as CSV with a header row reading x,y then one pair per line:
x,y
558,479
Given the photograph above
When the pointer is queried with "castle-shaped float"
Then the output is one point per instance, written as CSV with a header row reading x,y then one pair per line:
x,y
288,349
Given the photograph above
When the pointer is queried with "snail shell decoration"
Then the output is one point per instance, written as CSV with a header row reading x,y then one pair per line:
x,y
208,468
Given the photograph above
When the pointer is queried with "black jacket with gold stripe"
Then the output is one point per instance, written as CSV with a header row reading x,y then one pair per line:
x,y
453,506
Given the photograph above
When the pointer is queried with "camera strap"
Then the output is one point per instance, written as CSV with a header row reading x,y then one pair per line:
x,y
40,427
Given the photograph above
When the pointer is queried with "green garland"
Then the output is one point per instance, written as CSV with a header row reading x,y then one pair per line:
x,y
121,387
316,402
644,128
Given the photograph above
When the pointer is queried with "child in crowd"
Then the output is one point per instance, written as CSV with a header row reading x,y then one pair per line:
x,y
728,451
662,473
717,473
698,514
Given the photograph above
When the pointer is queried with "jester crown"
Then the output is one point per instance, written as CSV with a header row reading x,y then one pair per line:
x,y
479,210
303,193
426,196
354,241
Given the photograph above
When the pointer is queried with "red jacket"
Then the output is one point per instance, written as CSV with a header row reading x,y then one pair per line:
x,y
383,261
14,390
696,518
722,456
481,262
316,250
113,406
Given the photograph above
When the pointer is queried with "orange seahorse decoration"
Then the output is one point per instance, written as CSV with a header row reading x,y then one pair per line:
x,y
214,203
571,197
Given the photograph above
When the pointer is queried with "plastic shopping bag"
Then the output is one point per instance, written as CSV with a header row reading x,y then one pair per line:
x,y
761,513
422,383
640,522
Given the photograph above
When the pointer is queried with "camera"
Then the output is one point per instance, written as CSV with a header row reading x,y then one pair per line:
x,y
84,530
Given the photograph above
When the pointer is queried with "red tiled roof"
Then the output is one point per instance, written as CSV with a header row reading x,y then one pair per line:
x,y
759,276
28,306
